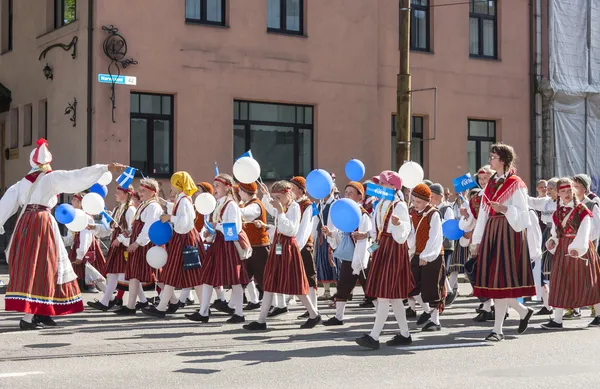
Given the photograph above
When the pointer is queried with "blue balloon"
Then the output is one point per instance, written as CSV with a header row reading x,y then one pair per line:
x,y
160,233
451,231
345,215
355,170
102,190
64,213
319,184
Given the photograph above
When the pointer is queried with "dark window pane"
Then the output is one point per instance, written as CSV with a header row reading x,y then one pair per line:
x,y
236,110
273,146
192,9
419,29
274,14
244,111
417,125
492,129
474,36
139,145
308,115
214,10
300,115
272,113
478,128
134,103
239,140
166,105
415,150
485,152
150,104
472,156
305,151
27,125
161,147
481,7
488,38
292,10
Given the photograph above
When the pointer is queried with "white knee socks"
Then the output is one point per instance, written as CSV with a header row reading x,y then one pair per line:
x,y
383,309
134,286
166,295
140,292
487,306
517,306
198,290
597,308
312,312
400,313
220,293
501,306
545,297
111,285
340,308
185,294
326,289
453,280
558,315
412,304
28,317
252,293
266,305
281,301
207,291
423,304
312,294
237,297
435,316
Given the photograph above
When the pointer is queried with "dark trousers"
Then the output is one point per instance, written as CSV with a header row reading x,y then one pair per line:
x,y
430,280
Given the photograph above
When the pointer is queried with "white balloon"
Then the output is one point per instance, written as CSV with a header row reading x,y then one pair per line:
x,y
246,170
106,179
156,257
205,203
92,203
412,174
80,222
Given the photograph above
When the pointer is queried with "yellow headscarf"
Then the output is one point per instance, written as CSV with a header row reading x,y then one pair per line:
x,y
183,181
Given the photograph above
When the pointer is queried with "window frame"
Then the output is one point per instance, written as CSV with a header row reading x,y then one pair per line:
x,y
247,123
283,20
14,122
426,9
43,126
478,139
480,18
28,124
59,14
9,45
203,12
413,135
150,118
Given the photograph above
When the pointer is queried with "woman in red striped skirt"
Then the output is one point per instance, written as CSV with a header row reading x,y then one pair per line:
x,y
390,279
116,260
42,280
284,272
223,264
175,274
137,269
575,276
500,239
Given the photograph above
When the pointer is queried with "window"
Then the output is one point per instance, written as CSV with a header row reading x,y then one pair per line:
x,y
151,134
483,29
27,125
205,11
279,135
43,119
6,24
285,16
419,25
482,135
14,128
64,12
416,140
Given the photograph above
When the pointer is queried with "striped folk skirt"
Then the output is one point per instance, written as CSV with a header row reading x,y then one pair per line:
x,y
574,282
459,257
285,273
255,265
503,265
547,256
34,270
115,261
223,266
327,270
173,273
390,276
137,267
99,263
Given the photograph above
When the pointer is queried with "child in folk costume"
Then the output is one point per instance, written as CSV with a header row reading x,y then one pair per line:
x,y
427,264
186,241
284,272
85,254
327,271
351,249
390,279
504,268
575,277
137,270
42,280
252,211
116,261
546,205
223,264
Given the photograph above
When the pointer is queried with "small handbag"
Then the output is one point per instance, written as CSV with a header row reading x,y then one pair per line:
x,y
191,258
243,247
90,256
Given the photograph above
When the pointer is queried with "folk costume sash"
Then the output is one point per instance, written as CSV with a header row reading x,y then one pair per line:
x,y
570,220
386,219
500,191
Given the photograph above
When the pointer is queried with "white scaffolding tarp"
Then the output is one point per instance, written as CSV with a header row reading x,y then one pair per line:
x,y
574,38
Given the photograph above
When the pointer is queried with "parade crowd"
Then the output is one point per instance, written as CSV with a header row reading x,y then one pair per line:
x,y
286,245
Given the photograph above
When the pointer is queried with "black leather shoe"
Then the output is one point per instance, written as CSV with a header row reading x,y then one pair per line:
x,y
252,306
494,337
483,316
173,308
552,325
524,323
141,305
367,342
45,321
399,340
595,322
154,300
333,321
25,326
305,315
116,303
450,297
153,311
255,326
544,311
98,305
235,319
222,306
196,316
410,313
311,323
277,312
367,304
124,311
431,327
424,318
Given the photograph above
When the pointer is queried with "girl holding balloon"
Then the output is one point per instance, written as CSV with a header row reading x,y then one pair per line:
x,y
327,271
138,270
284,272
119,231
390,279
223,264
175,274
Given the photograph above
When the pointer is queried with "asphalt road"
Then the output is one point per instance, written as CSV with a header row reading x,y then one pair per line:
x,y
94,349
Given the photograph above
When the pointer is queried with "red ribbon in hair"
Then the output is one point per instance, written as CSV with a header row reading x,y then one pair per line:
x,y
128,191
222,181
283,191
149,188
564,186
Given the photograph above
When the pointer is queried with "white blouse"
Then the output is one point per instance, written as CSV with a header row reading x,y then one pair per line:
x,y
400,232
251,212
534,237
149,216
86,238
288,223
433,247
545,205
183,220
466,224
231,214
581,243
